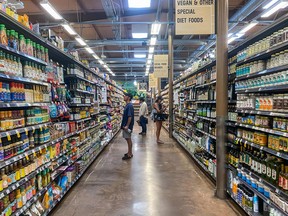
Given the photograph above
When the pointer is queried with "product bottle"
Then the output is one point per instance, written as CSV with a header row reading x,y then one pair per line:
x,y
281,176
19,199
275,170
285,179
255,204
23,195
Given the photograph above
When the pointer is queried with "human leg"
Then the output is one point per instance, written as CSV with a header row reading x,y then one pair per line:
x,y
158,129
142,123
127,137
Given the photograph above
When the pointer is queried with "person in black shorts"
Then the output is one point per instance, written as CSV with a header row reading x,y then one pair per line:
x,y
159,117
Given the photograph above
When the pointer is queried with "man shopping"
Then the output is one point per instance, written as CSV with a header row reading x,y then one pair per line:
x,y
143,112
127,124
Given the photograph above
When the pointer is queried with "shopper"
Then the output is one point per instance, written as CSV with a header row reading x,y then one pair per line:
x,y
127,124
143,112
158,117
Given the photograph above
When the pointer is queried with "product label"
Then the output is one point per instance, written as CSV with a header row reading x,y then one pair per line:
x,y
259,168
274,174
263,169
269,172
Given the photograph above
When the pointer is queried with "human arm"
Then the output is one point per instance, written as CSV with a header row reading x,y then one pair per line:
x,y
156,107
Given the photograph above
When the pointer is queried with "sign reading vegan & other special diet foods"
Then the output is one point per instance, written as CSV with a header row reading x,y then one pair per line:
x,y
195,17
161,66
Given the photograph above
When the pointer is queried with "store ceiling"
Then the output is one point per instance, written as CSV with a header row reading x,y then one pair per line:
x,y
106,25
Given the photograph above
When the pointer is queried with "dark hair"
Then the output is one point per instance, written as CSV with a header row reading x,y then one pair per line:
x,y
129,95
142,99
158,99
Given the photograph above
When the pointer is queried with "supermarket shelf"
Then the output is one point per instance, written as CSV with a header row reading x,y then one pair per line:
x,y
261,196
20,105
271,187
231,123
259,112
187,87
206,118
264,54
22,79
262,73
79,105
274,88
74,76
82,91
201,147
23,130
84,141
244,208
190,100
232,145
264,148
210,135
22,55
206,84
270,131
205,101
190,110
81,120
17,184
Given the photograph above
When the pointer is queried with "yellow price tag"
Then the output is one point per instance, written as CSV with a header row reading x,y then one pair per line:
x,y
34,153
8,136
33,129
26,131
26,155
40,128
40,151
18,134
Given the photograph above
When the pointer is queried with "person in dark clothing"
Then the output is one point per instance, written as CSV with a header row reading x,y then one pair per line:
x,y
127,124
158,117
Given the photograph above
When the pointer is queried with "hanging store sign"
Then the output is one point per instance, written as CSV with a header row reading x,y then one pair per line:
x,y
161,66
152,81
142,86
195,17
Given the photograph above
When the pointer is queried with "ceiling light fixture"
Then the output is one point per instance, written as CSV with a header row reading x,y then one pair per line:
x,y
153,41
80,41
139,4
69,29
139,35
281,5
150,56
135,82
96,56
155,29
105,66
151,50
232,39
248,27
101,62
51,10
270,4
149,61
89,50
139,55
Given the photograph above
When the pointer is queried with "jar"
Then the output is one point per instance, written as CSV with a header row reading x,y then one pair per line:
x,y
38,51
42,53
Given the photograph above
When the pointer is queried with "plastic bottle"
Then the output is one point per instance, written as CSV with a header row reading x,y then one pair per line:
x,y
19,199
255,203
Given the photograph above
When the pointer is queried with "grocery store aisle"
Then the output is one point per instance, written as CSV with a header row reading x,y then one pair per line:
x,y
160,180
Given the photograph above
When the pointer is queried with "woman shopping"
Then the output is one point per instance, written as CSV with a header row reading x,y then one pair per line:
x,y
159,116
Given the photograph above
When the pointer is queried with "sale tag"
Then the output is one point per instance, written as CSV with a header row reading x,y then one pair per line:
x,y
40,127
27,158
26,131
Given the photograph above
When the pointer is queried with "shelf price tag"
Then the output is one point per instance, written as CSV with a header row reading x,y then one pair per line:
x,y
8,136
40,127
26,131
18,134
278,154
277,191
26,155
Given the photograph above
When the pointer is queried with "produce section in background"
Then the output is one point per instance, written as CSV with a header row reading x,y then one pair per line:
x,y
56,116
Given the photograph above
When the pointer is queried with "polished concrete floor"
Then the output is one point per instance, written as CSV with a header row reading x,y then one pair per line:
x,y
160,180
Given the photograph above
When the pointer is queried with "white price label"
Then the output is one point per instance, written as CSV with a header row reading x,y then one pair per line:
x,y
277,191
261,148
278,154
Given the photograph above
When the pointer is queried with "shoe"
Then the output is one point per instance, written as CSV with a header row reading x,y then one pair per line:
x,y
127,157
141,133
160,142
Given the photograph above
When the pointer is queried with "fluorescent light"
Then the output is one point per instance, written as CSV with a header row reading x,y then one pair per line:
x,y
89,50
155,29
248,27
139,4
270,4
153,41
278,6
231,39
149,62
105,66
150,56
101,62
139,35
230,34
139,55
51,10
113,74
96,56
80,41
69,29
135,82
151,50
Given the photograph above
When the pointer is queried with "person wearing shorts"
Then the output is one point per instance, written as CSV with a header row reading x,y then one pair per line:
x,y
127,124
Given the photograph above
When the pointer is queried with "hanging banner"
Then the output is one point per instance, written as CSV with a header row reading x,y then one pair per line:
x,y
142,86
161,66
195,17
152,81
